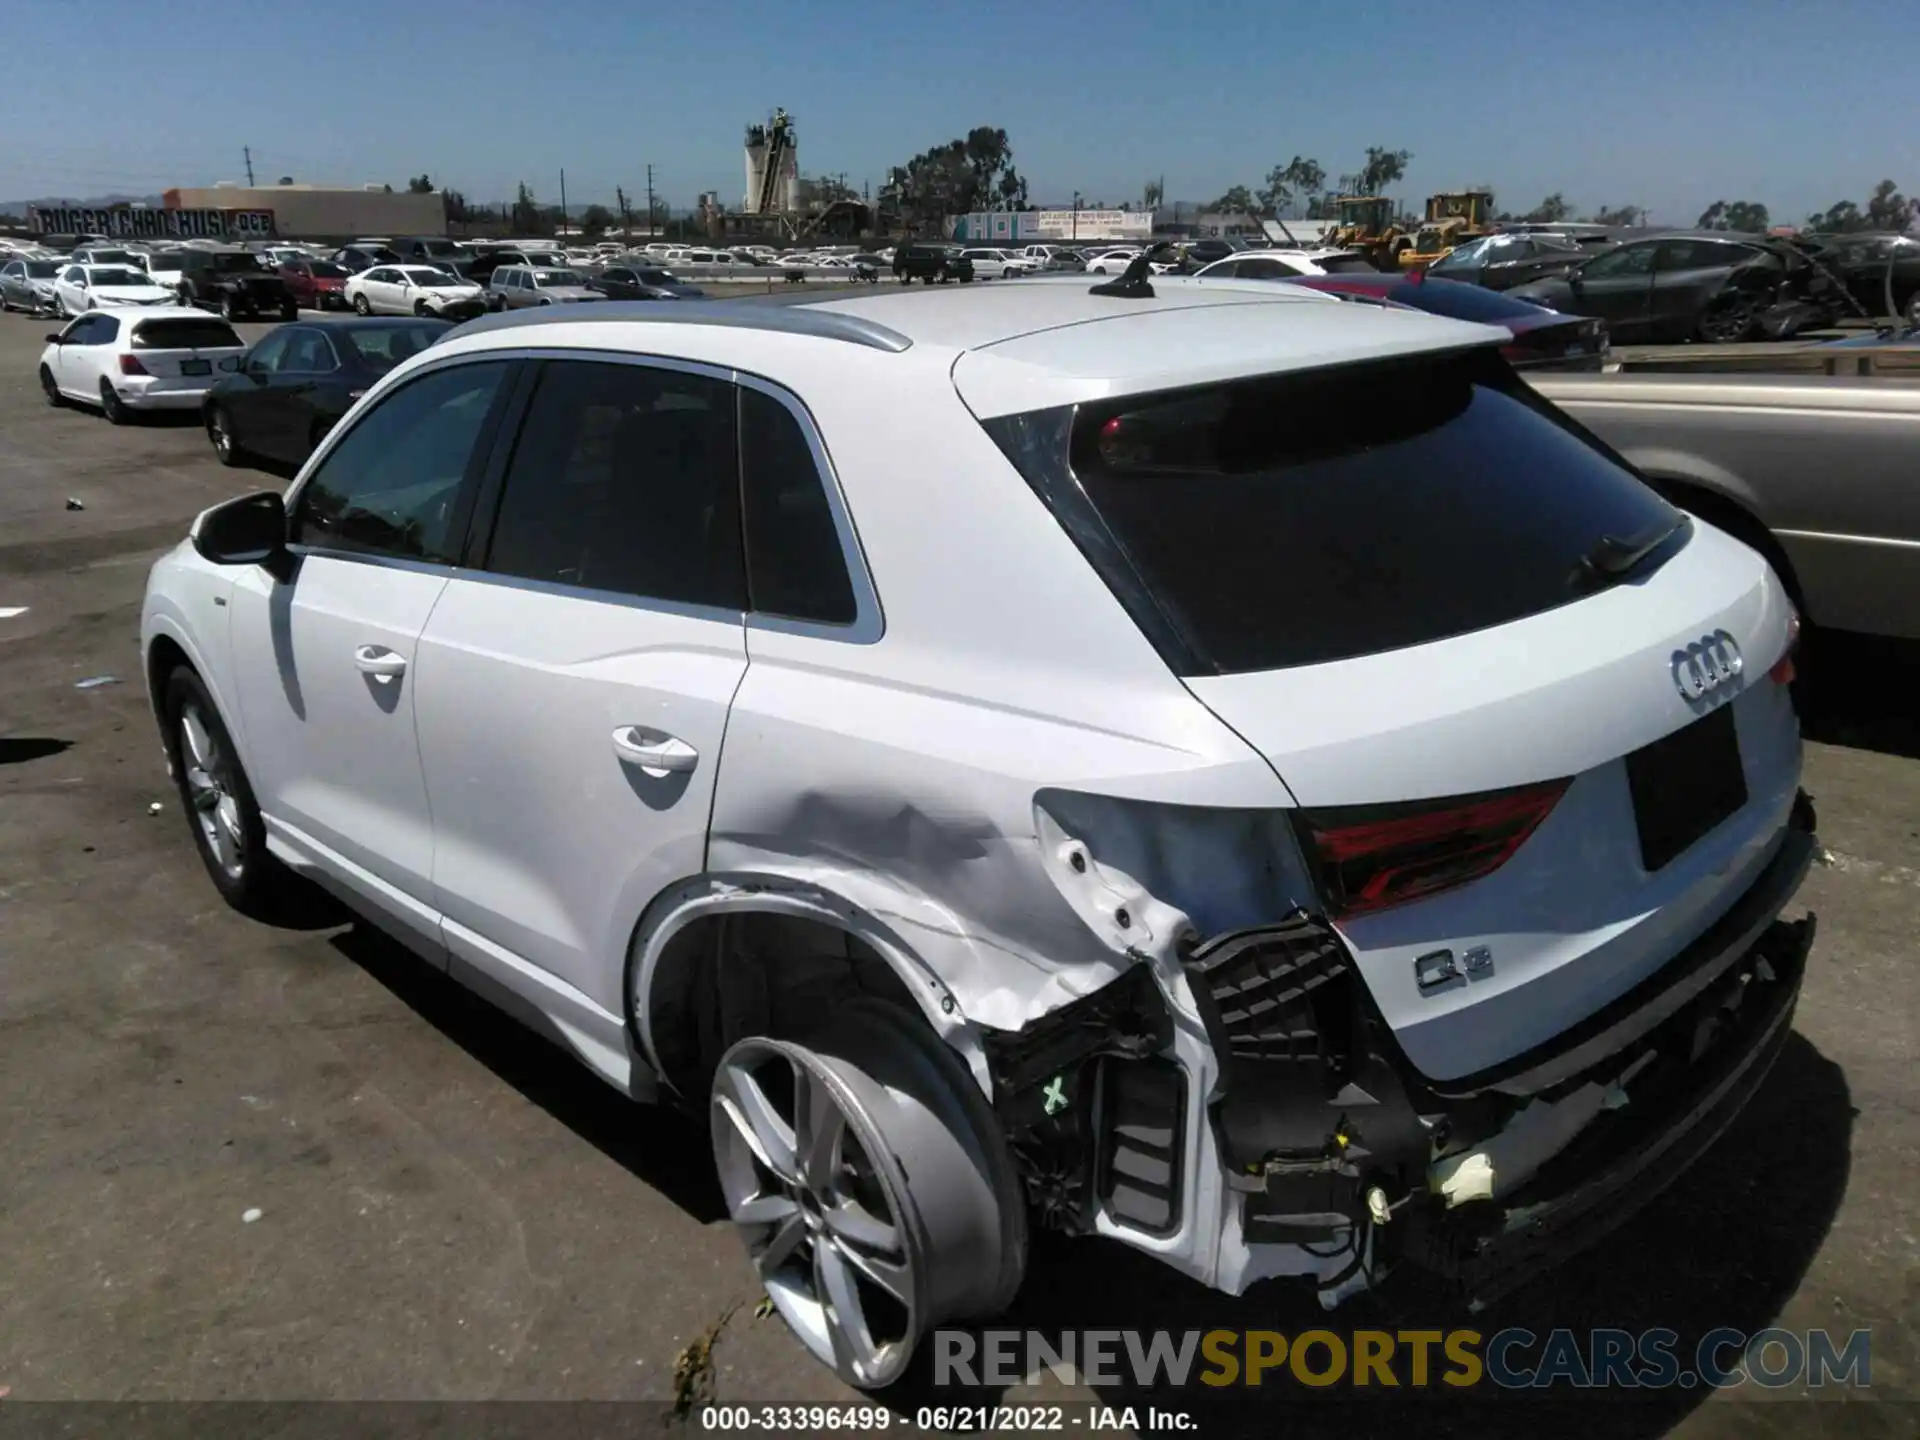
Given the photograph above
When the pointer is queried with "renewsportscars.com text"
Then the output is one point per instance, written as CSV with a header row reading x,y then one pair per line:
x,y
1390,1359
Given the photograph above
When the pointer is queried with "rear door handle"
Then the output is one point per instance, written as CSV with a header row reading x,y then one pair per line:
x,y
379,662
664,756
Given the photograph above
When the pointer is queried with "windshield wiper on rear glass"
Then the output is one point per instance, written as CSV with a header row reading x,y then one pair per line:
x,y
1611,558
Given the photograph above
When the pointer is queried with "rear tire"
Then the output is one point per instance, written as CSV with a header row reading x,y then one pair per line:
x,y
110,402
220,432
361,307
218,802
872,1185
1728,320
50,389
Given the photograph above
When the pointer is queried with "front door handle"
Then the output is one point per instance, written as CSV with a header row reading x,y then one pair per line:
x,y
662,756
380,662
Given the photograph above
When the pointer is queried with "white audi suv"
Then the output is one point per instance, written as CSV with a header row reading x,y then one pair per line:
x,y
1214,767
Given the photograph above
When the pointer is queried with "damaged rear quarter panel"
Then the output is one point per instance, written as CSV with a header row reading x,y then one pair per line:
x,y
918,809
901,774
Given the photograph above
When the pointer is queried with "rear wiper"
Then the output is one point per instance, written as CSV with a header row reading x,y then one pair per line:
x,y
1611,557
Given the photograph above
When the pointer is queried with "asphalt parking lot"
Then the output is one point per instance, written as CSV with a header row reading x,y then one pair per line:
x,y
449,1208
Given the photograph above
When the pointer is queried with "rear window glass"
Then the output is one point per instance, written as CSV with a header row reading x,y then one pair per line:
x,y
1347,265
186,334
1300,519
383,347
1460,301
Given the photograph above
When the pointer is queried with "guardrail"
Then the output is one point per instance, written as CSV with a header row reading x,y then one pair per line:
x,y
1775,358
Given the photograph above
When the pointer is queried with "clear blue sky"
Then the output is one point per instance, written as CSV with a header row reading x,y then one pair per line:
x,y
1664,103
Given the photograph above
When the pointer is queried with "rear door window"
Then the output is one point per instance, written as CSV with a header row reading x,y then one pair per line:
x,y
1300,519
626,479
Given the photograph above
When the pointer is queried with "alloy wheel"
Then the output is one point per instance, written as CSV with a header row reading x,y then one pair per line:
x,y
1729,322
824,1226
210,791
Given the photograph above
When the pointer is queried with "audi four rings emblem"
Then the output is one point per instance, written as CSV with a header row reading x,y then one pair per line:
x,y
1704,666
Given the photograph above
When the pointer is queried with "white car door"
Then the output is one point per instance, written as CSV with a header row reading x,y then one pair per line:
x,y
574,685
84,358
325,659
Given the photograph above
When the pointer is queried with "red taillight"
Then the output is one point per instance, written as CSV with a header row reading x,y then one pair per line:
x,y
1782,672
1375,856
130,365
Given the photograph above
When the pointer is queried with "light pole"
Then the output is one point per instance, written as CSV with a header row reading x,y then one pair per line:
x,y
1076,214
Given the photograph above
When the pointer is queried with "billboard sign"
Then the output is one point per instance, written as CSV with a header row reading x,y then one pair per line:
x,y
125,222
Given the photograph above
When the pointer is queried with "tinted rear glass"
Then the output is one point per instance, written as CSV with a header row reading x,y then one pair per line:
x,y
1295,520
1460,301
187,333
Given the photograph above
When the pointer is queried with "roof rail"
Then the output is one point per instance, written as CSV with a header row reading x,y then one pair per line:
x,y
781,319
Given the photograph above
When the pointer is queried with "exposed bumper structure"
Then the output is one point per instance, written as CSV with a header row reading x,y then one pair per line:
x,y
1251,1116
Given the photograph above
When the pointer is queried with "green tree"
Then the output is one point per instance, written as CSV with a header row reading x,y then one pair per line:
x,y
595,220
456,203
1839,219
1286,183
1744,215
963,175
420,185
1623,215
1237,201
1887,208
1383,168
1550,211
1151,194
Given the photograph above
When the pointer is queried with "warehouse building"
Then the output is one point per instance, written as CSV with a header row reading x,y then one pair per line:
x,y
315,212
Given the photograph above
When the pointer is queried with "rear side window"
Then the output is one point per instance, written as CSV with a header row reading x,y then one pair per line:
x,y
795,565
186,334
1300,519
625,478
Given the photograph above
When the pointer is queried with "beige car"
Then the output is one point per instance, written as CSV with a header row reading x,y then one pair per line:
x,y
1813,471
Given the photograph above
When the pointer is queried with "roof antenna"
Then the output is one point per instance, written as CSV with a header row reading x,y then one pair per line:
x,y
1133,285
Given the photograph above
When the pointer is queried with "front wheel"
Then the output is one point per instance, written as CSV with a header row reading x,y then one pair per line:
x,y
420,309
289,311
872,1186
229,311
360,305
218,801
51,389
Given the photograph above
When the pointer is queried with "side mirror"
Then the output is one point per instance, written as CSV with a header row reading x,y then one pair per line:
x,y
256,367
54,337
251,530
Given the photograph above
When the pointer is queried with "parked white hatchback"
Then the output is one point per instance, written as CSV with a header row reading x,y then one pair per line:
x,y
135,360
414,290
88,287
1218,768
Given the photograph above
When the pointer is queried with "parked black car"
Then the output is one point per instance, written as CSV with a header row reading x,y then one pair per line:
x,y
1542,339
235,282
1500,262
1715,286
921,261
481,267
297,382
628,282
356,258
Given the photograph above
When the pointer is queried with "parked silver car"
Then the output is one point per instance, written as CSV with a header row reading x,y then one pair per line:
x,y
28,285
1814,471
514,287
